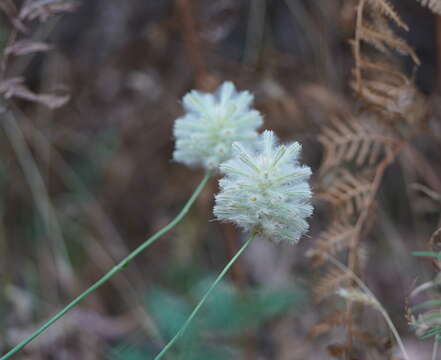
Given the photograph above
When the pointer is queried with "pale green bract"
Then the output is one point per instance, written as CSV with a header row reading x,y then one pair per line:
x,y
265,190
212,123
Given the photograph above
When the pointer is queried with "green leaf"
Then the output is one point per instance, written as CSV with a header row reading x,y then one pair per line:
x,y
182,277
426,304
433,332
168,311
230,311
427,254
265,304
203,352
126,352
222,310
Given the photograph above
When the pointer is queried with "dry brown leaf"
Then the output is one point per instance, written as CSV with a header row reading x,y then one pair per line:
x,y
15,87
11,11
26,46
43,9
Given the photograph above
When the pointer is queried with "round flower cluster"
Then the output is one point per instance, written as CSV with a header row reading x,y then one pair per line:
x,y
212,123
265,190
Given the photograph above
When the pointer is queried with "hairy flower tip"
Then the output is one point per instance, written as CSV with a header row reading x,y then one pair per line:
x,y
212,123
266,190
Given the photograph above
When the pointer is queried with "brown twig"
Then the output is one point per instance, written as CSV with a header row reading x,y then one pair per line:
x,y
357,41
193,43
438,51
355,241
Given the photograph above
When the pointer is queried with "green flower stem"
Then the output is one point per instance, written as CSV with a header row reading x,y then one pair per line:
x,y
113,271
204,298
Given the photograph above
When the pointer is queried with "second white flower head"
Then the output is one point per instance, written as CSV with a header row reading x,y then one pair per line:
x,y
212,123
266,190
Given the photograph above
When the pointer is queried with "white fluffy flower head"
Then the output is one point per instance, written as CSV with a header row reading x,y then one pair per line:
x,y
266,190
212,123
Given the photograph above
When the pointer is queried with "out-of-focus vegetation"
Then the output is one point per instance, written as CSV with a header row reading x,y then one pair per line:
x,y
89,94
226,319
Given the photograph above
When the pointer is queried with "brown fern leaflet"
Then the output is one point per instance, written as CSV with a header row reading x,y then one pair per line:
x,y
358,141
332,241
329,283
348,194
376,80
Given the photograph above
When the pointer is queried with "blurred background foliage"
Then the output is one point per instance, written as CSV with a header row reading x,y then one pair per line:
x,y
228,317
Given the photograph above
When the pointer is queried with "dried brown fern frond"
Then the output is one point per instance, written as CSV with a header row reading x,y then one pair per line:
x,y
393,99
380,85
332,241
329,283
383,68
372,27
348,194
358,150
386,9
379,35
337,318
434,5
353,140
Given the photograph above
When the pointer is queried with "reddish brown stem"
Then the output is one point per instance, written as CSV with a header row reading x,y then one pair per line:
x,y
438,51
192,42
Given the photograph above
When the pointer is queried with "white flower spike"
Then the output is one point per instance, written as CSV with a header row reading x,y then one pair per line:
x,y
266,190
212,123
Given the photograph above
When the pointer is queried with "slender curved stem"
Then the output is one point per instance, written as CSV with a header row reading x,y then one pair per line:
x,y
113,271
205,297
435,349
379,307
